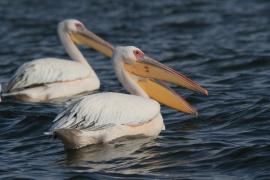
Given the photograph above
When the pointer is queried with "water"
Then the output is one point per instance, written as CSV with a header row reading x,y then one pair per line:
x,y
223,45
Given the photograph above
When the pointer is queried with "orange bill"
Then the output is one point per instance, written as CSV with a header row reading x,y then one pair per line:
x,y
150,68
166,96
85,37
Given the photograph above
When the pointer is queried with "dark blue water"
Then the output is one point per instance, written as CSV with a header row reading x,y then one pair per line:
x,y
223,45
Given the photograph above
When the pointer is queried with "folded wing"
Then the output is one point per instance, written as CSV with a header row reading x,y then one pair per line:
x,y
47,70
103,110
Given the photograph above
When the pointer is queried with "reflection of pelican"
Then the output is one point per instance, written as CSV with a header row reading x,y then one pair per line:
x,y
50,78
121,148
106,116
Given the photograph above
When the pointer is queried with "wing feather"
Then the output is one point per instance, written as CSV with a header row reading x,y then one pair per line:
x,y
105,110
47,70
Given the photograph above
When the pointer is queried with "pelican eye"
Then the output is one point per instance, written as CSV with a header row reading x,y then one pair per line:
x,y
138,54
79,25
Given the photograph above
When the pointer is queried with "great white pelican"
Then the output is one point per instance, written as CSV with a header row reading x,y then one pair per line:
x,y
50,78
103,117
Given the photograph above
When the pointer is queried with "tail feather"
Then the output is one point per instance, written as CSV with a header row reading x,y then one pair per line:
x,y
9,94
3,92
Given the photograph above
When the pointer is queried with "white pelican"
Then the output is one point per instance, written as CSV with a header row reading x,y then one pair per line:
x,y
50,78
103,117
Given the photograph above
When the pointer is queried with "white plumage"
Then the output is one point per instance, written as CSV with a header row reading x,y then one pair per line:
x,y
103,110
47,70
51,78
103,117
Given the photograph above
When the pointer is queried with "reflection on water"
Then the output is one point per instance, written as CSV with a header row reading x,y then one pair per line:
x,y
120,148
100,157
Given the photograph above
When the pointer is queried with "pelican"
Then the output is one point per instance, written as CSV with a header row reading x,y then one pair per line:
x,y
103,117
46,79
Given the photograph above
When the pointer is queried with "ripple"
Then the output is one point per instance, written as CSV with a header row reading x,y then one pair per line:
x,y
223,45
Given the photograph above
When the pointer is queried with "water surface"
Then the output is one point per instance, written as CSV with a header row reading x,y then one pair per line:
x,y
223,45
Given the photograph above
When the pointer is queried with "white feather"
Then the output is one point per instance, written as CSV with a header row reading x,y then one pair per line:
x,y
102,110
46,70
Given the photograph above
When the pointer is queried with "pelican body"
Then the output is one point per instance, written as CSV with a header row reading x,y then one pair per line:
x,y
46,79
103,117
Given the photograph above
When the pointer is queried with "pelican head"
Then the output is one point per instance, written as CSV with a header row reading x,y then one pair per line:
x,y
80,35
145,75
